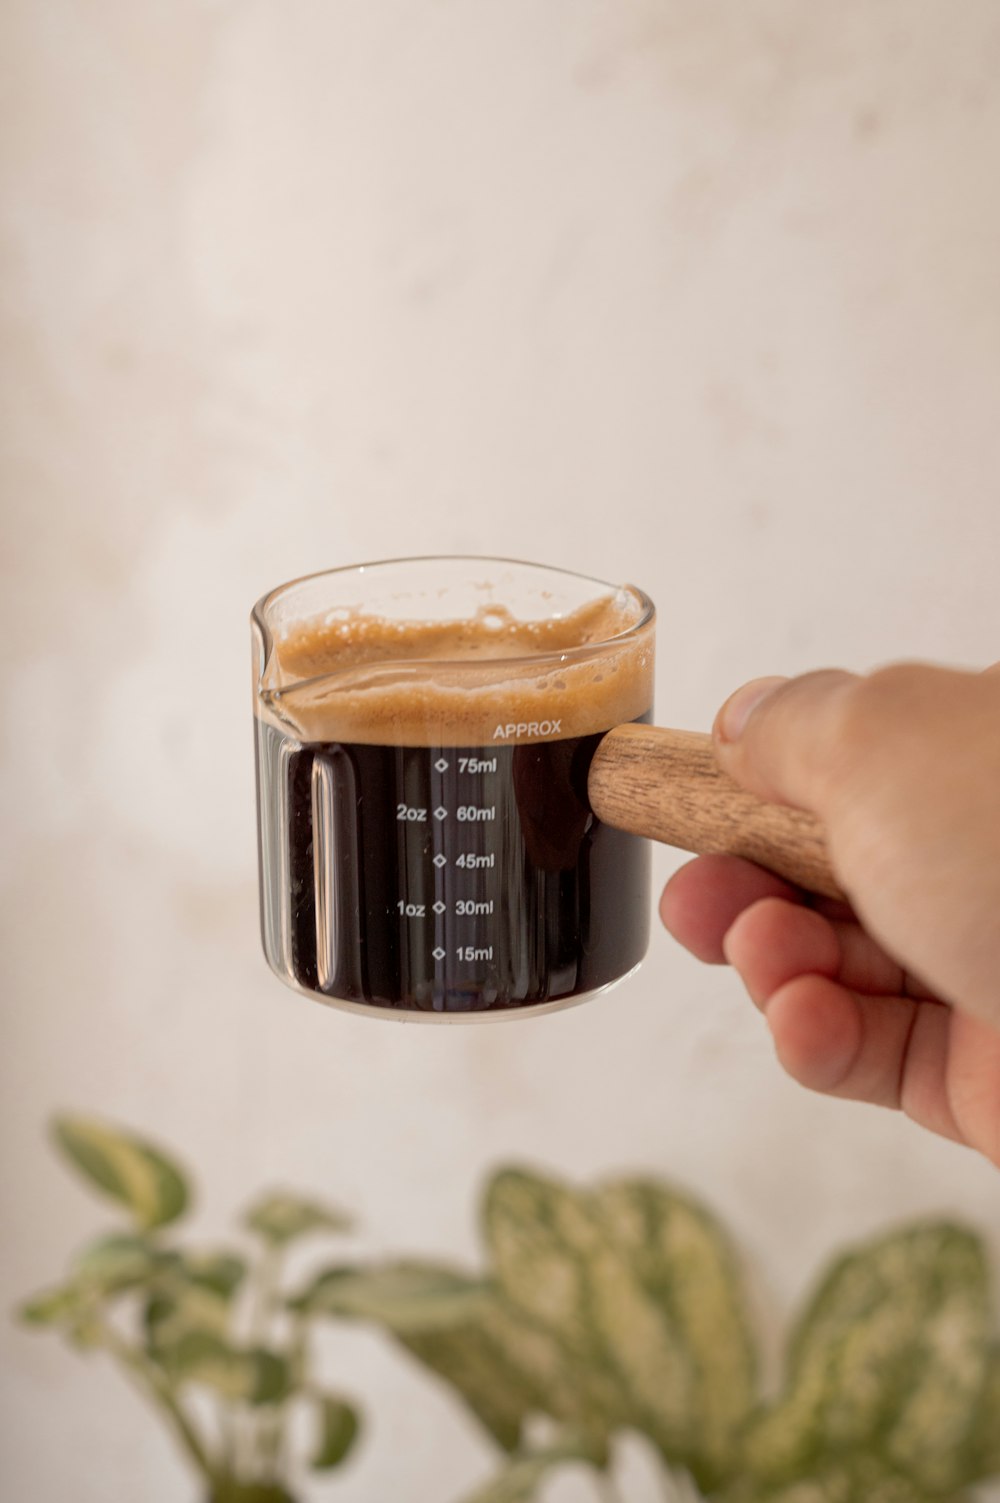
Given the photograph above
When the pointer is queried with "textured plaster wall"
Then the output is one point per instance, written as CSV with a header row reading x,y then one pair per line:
x,y
703,295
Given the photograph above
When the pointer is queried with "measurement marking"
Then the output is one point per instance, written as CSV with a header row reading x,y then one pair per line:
x,y
440,907
438,953
441,860
410,910
442,814
473,813
477,764
470,952
465,906
440,765
469,860
411,815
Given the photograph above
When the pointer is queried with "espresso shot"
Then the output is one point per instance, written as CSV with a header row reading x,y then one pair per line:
x,y
426,844
450,878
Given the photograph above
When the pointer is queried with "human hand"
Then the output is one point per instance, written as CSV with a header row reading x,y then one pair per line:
x,y
894,999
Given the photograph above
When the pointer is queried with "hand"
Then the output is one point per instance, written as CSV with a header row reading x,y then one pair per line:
x,y
894,999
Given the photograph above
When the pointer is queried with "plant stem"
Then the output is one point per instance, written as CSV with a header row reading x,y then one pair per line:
x,y
154,1384
678,1487
606,1488
266,1277
274,1424
228,1435
263,1436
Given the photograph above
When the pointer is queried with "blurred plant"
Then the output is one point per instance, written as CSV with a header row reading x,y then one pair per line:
x,y
179,1320
603,1312
621,1309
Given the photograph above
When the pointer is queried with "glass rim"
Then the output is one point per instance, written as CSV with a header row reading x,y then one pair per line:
x,y
258,617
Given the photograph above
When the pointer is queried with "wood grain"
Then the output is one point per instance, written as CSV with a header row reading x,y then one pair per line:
x,y
665,784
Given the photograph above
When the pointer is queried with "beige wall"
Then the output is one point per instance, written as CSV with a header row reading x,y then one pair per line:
x,y
703,295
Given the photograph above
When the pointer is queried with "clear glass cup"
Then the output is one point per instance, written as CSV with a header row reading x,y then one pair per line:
x,y
424,728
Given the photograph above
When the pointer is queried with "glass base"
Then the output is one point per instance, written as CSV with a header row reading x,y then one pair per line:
x,y
487,1015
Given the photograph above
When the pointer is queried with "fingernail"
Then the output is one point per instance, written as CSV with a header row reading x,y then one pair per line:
x,y
740,706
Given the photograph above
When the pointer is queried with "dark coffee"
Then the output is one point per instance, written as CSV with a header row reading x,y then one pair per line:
x,y
426,844
447,879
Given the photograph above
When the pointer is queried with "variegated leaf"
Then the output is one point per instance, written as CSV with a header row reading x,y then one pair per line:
x,y
281,1217
250,1375
546,1376
402,1296
984,1451
178,1308
566,1261
500,1362
115,1264
469,1361
890,1358
130,1170
505,1368
221,1272
71,1308
864,1479
689,1269
56,1306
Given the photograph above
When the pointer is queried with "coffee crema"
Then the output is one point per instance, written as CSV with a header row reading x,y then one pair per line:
x,y
372,680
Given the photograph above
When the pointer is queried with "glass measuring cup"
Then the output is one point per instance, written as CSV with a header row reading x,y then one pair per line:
x,y
424,730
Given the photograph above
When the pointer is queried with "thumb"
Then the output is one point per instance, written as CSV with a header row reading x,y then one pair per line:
x,y
780,738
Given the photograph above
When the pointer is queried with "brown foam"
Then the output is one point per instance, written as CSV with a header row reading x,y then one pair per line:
x,y
487,679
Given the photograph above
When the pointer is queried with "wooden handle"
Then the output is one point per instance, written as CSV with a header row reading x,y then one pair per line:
x,y
666,785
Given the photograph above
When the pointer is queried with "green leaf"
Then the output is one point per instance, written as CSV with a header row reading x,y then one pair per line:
x,y
62,1306
557,1268
502,1367
127,1168
281,1217
519,1479
55,1307
251,1375
177,1309
984,1449
569,1262
861,1480
192,1292
339,1426
500,1363
273,1381
402,1296
71,1308
889,1360
120,1262
688,1267
505,1368
221,1273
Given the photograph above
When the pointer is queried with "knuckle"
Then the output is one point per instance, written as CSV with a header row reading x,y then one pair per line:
x,y
896,684
837,741
872,725
871,708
